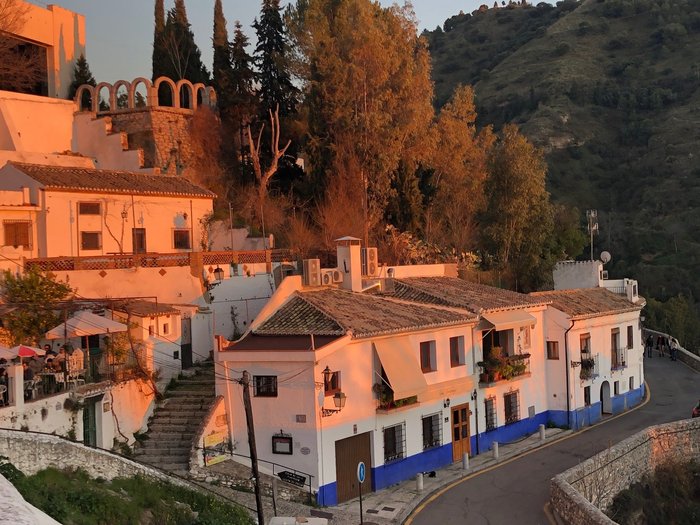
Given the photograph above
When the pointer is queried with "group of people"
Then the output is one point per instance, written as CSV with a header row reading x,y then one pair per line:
x,y
663,345
65,361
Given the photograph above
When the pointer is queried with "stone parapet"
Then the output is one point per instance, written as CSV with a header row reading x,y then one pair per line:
x,y
581,494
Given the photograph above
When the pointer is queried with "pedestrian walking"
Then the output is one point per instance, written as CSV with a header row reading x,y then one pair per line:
x,y
660,345
649,345
673,348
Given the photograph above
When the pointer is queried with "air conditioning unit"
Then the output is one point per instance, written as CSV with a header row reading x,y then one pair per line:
x,y
312,272
370,262
337,276
326,277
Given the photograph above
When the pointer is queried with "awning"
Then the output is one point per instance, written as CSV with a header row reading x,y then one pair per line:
x,y
85,323
401,367
509,319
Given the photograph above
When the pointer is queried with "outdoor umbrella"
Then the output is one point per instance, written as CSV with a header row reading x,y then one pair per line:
x,y
20,351
85,323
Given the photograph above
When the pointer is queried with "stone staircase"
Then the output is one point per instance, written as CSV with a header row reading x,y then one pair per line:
x,y
175,422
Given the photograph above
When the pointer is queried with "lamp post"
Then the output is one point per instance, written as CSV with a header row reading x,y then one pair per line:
x,y
474,397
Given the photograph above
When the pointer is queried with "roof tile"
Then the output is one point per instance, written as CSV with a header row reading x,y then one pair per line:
x,y
588,302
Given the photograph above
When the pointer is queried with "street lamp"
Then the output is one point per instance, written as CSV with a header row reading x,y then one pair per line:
x,y
218,274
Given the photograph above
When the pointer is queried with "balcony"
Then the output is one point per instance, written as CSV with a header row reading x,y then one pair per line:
x,y
498,367
589,366
618,359
157,260
387,403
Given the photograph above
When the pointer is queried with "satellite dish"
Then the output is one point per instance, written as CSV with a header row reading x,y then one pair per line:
x,y
605,257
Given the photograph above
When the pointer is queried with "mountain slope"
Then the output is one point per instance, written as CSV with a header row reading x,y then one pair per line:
x,y
610,90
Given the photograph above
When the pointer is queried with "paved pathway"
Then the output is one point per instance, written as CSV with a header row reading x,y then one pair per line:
x,y
517,493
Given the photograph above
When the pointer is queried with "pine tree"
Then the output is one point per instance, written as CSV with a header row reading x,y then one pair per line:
x,y
243,78
272,59
221,68
182,58
81,75
159,53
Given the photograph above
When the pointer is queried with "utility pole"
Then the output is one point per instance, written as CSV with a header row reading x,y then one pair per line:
x,y
245,383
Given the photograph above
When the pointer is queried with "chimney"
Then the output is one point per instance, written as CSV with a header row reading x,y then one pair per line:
x,y
350,263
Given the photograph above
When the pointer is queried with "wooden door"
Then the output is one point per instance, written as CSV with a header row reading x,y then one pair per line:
x,y
90,421
460,431
348,453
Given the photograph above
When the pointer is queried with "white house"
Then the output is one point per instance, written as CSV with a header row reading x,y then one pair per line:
x,y
594,353
383,370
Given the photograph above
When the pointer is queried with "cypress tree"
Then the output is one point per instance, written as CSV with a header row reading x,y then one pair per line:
x,y
221,68
272,59
159,54
182,56
243,77
81,75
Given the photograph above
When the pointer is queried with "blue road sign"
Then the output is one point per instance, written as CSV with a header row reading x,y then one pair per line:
x,y
361,472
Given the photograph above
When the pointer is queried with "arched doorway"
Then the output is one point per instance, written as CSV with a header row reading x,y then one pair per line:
x,y
605,401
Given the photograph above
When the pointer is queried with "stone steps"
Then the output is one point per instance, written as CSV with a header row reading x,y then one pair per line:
x,y
174,423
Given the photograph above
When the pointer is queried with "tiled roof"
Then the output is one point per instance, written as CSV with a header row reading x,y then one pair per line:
x,y
588,302
143,308
331,311
108,181
459,293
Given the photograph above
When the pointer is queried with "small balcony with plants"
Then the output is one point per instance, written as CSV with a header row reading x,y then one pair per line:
x,y
589,366
386,401
498,366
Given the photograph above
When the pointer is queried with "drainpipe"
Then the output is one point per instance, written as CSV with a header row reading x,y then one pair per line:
x,y
568,388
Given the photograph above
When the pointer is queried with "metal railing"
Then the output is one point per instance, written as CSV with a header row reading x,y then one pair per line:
x,y
618,357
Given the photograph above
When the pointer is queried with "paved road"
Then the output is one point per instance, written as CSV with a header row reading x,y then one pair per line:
x,y
517,492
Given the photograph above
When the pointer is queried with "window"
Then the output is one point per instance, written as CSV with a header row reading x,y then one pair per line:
x,y
552,349
151,330
587,395
88,208
427,356
490,411
394,443
631,383
616,388
525,337
615,339
432,431
138,238
512,407
265,386
630,337
181,239
18,233
456,351
332,386
166,328
585,343
90,240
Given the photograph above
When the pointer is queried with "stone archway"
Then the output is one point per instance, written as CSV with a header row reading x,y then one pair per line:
x,y
85,98
167,92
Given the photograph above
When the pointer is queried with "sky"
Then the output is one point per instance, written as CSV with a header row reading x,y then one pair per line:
x,y
120,34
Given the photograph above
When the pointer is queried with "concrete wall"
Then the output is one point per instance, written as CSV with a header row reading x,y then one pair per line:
x,y
577,274
62,32
581,494
215,420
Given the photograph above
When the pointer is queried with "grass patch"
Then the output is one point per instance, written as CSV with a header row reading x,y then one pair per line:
x,y
74,498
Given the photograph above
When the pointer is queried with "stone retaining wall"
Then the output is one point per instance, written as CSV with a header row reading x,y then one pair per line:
x,y
31,452
582,494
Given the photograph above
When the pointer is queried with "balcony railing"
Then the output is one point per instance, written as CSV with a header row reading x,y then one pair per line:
x,y
589,366
618,358
157,260
504,368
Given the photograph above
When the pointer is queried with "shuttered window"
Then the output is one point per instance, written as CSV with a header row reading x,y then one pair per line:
x,y
18,233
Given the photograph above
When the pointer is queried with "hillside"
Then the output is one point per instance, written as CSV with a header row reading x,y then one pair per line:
x,y
610,89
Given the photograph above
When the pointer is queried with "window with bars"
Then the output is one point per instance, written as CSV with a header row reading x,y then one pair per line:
x,y
432,431
88,208
587,395
457,351
394,443
90,240
511,402
181,239
552,349
265,386
18,233
490,411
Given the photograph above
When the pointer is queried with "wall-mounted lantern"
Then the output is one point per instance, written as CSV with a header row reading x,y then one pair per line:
x,y
218,274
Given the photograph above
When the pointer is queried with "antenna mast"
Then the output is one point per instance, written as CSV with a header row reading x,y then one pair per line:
x,y
592,217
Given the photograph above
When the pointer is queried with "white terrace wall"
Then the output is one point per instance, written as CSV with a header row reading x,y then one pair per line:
x,y
582,494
